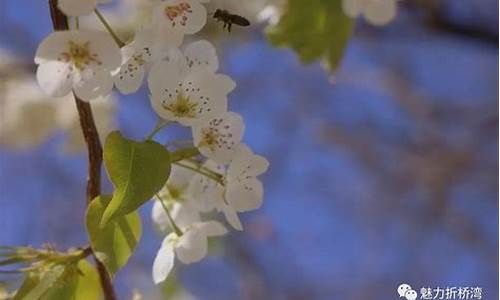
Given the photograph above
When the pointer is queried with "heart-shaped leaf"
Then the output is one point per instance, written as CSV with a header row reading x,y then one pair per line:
x,y
114,243
138,170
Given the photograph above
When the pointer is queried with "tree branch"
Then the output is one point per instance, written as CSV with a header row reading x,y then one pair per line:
x,y
60,22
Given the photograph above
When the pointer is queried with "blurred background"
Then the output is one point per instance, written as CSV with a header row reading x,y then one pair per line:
x,y
383,172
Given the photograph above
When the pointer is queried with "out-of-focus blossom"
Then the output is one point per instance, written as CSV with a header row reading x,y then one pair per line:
x,y
176,196
376,12
103,109
27,117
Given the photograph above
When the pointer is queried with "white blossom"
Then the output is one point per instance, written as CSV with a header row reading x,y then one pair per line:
x,y
74,8
184,92
190,247
176,197
244,192
78,60
219,137
202,53
238,190
205,190
179,17
209,193
377,12
137,58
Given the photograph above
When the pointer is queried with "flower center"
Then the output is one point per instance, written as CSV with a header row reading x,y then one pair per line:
x,y
79,55
139,60
175,192
179,10
182,107
210,137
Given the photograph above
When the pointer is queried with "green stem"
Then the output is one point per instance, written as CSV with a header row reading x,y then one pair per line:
x,y
159,126
110,30
184,153
174,226
203,171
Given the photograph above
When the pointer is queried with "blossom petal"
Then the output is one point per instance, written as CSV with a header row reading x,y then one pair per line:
x,y
202,53
185,214
166,74
149,43
380,12
180,178
188,97
192,246
352,8
104,46
51,47
232,217
129,79
217,85
246,164
162,84
185,16
164,262
206,192
159,217
245,195
92,83
55,78
223,84
218,137
212,228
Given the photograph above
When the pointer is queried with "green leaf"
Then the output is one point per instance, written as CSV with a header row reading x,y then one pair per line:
x,y
12,261
29,283
81,285
114,243
69,282
36,285
138,170
315,29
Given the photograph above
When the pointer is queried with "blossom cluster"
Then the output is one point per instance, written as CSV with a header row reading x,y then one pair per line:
x,y
185,87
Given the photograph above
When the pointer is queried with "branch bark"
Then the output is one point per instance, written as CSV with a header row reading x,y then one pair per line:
x,y
89,130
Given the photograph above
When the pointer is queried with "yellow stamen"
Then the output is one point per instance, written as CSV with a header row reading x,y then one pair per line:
x,y
182,107
79,55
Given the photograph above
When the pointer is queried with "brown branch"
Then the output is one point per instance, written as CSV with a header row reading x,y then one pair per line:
x,y
91,136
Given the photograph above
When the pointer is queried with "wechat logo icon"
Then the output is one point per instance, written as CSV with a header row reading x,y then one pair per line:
x,y
405,290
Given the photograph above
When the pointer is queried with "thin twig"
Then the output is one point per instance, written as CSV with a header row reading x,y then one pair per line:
x,y
174,226
117,40
60,22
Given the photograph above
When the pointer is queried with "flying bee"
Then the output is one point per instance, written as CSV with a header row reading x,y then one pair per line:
x,y
230,19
